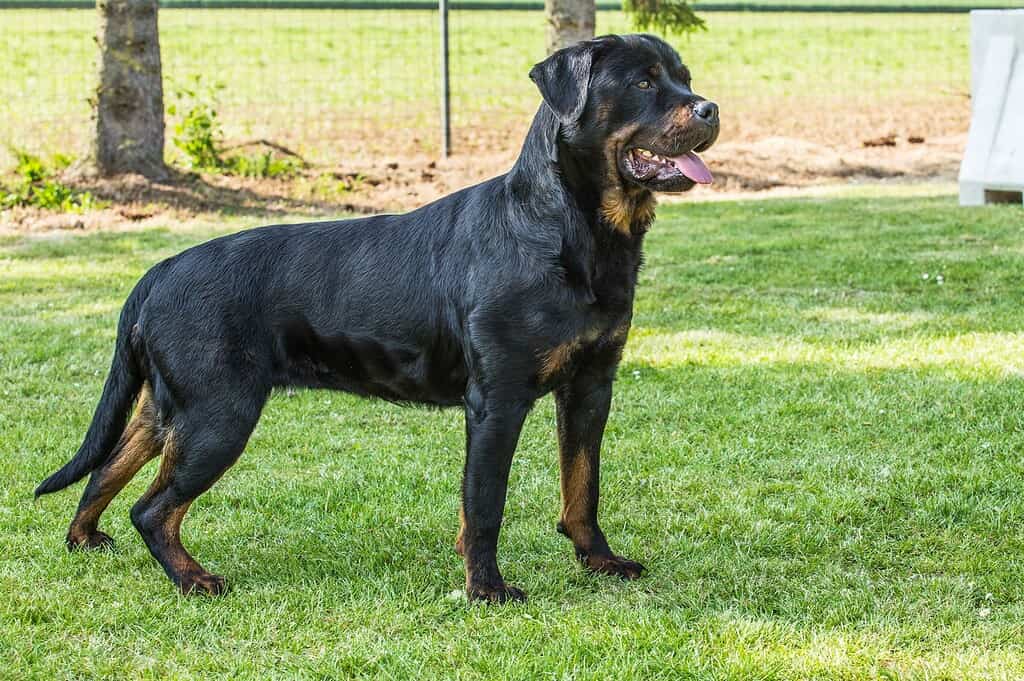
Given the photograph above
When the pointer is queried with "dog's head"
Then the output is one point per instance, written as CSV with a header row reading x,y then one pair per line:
x,y
628,100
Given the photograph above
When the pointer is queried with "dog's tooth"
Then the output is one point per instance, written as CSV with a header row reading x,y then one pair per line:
x,y
646,153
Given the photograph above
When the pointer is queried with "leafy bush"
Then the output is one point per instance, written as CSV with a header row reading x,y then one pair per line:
x,y
199,136
196,134
262,165
38,187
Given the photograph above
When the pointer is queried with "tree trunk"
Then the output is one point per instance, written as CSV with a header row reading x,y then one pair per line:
x,y
569,21
130,98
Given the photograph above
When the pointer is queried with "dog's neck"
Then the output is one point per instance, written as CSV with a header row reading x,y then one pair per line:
x,y
548,164
534,170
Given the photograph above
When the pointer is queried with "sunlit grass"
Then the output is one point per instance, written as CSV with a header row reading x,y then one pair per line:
x,y
990,354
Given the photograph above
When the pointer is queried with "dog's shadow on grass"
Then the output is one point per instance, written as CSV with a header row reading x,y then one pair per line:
x,y
198,193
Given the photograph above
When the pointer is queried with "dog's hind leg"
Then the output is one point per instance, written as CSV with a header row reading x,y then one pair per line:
x,y
203,442
139,443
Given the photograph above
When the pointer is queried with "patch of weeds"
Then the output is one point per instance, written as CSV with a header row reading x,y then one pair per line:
x,y
198,134
262,165
37,186
334,186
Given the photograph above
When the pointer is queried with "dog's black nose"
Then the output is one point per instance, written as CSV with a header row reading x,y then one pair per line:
x,y
706,111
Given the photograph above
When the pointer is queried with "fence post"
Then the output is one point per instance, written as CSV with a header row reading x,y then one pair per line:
x,y
446,112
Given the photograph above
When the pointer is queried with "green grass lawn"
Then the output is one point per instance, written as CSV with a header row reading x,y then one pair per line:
x,y
340,85
815,446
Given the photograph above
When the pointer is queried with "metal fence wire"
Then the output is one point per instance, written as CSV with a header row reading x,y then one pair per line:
x,y
347,84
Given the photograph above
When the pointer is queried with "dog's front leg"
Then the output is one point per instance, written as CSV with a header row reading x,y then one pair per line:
x,y
492,432
582,407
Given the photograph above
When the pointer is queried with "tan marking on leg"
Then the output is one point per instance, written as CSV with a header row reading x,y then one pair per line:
x,y
177,556
576,496
190,576
167,464
460,546
554,360
138,444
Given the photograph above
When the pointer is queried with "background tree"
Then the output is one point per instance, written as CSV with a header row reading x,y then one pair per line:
x,y
129,101
570,21
663,16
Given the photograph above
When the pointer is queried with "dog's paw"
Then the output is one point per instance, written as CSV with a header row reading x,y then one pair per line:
x,y
89,541
614,565
202,583
499,593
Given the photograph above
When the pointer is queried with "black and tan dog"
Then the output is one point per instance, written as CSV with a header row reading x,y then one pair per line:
x,y
486,299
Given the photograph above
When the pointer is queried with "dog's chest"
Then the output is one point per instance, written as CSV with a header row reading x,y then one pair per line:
x,y
600,324
598,343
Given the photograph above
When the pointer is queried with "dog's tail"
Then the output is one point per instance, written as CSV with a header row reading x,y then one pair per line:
x,y
124,382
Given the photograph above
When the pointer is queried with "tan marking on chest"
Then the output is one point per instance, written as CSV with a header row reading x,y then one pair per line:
x,y
555,360
627,212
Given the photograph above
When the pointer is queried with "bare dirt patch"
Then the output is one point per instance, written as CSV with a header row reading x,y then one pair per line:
x,y
370,183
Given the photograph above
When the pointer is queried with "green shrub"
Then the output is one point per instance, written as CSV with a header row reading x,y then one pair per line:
x,y
199,136
38,187
262,165
196,134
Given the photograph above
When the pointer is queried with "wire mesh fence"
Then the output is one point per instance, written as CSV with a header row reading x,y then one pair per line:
x,y
341,84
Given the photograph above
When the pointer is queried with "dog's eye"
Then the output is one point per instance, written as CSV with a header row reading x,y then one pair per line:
x,y
644,85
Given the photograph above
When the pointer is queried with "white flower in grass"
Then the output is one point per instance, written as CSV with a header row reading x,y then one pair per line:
x,y
924,275
984,612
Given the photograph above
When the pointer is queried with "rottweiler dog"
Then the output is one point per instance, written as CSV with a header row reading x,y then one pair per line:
x,y
486,299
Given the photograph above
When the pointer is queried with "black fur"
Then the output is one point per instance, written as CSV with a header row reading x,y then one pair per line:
x,y
486,299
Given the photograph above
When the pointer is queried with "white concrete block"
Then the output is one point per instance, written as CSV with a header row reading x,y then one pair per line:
x,y
993,164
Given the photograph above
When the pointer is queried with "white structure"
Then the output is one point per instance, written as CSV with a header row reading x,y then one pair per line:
x,y
993,166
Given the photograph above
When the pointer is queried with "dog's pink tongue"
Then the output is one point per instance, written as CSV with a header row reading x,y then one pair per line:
x,y
689,164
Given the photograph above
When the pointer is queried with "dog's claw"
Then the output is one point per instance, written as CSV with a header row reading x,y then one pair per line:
x,y
501,593
614,565
90,542
203,584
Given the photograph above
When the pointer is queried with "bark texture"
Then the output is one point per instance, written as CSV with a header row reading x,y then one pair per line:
x,y
569,21
130,98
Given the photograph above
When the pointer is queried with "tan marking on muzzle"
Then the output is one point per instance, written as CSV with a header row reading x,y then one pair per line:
x,y
682,115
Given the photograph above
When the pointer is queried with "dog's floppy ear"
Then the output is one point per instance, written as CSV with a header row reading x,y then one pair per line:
x,y
563,79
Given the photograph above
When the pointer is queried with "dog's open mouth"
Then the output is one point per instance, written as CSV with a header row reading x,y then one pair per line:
x,y
645,166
